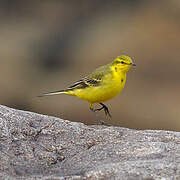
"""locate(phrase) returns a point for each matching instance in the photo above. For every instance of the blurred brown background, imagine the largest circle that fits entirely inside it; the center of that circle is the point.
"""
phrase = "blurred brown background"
(47, 45)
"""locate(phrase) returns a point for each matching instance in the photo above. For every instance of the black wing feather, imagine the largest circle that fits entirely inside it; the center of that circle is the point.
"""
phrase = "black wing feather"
(84, 83)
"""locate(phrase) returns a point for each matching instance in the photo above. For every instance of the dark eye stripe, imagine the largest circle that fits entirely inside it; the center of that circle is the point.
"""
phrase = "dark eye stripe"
(121, 62)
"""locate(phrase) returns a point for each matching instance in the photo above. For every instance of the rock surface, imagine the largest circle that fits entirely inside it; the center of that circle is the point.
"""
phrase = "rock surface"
(34, 146)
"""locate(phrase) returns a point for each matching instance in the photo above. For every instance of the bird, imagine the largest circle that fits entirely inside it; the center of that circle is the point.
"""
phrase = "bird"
(103, 84)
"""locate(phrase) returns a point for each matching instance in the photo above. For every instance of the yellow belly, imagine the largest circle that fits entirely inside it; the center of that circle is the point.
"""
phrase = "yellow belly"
(95, 94)
(104, 92)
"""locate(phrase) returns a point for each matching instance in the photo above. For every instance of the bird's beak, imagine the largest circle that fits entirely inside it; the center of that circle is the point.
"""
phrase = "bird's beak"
(133, 64)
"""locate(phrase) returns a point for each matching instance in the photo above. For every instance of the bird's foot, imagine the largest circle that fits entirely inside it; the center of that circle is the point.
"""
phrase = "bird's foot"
(98, 117)
(106, 110)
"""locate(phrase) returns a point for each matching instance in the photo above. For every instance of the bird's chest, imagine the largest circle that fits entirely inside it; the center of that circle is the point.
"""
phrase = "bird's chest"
(114, 85)
(117, 82)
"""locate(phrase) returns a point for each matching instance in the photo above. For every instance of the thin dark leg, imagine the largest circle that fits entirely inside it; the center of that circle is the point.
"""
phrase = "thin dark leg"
(106, 110)
(99, 118)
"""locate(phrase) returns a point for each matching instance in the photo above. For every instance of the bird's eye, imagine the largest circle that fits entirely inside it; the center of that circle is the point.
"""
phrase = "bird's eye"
(122, 62)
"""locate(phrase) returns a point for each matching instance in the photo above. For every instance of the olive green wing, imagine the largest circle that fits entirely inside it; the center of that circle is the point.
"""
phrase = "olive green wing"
(94, 79)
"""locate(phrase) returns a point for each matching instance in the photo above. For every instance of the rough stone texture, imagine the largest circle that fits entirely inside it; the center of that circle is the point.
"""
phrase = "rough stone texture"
(34, 146)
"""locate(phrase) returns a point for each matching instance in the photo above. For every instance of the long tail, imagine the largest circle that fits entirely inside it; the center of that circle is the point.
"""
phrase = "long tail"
(52, 93)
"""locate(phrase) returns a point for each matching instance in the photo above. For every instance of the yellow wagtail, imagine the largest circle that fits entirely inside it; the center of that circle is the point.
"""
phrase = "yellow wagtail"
(101, 85)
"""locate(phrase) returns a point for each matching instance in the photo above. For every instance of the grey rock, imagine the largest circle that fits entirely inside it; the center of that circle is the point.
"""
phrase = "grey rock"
(34, 146)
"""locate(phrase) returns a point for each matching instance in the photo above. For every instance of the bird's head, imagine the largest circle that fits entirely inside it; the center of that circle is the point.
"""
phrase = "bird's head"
(123, 63)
